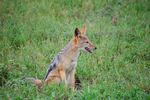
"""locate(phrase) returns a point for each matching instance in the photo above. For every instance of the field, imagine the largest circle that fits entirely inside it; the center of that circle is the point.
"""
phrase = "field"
(32, 32)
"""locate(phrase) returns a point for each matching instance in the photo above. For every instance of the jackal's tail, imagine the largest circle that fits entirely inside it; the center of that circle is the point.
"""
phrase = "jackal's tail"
(36, 81)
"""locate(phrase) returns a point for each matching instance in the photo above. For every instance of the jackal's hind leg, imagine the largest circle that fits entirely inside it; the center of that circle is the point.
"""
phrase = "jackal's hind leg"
(52, 79)
(56, 77)
(63, 75)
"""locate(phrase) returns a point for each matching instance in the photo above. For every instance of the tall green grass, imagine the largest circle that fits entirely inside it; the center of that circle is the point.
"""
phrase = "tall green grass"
(32, 32)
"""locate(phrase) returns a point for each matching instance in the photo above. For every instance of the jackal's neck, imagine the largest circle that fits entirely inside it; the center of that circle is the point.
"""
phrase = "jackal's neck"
(71, 51)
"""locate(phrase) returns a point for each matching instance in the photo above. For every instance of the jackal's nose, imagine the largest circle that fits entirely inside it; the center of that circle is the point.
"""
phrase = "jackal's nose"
(95, 48)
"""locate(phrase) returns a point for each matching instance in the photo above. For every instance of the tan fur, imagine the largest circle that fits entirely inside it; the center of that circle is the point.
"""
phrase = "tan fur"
(67, 61)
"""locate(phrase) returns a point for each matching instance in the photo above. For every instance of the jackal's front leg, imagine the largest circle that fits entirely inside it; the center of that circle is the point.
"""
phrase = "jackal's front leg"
(71, 79)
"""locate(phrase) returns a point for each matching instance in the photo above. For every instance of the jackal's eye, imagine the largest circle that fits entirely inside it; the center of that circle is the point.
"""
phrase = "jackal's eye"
(87, 42)
(80, 37)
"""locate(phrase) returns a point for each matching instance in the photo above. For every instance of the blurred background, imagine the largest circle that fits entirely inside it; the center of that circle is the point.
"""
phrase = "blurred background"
(32, 32)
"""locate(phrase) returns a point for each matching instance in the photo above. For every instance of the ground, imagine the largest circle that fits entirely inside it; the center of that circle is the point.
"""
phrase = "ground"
(32, 32)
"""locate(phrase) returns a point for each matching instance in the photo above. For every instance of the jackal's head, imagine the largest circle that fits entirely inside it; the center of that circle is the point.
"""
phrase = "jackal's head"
(82, 41)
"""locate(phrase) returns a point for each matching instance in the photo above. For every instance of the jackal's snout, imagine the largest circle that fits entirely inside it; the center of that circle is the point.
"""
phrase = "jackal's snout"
(90, 48)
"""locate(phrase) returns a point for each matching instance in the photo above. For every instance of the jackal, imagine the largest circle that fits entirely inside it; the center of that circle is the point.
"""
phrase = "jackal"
(63, 66)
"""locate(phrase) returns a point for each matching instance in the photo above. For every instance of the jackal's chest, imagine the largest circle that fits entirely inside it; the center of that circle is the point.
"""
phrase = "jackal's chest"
(71, 65)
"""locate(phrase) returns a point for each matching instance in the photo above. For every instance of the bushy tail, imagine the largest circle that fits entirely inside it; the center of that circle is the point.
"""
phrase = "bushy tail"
(37, 82)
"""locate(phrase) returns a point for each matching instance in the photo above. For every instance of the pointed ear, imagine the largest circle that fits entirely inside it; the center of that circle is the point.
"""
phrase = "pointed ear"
(83, 30)
(77, 32)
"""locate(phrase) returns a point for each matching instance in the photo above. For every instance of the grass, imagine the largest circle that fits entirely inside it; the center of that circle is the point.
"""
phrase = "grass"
(32, 32)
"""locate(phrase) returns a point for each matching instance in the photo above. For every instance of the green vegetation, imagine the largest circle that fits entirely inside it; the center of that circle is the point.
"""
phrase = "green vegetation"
(32, 32)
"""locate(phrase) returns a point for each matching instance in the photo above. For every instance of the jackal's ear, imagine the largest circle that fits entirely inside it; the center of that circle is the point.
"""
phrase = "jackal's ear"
(77, 32)
(83, 30)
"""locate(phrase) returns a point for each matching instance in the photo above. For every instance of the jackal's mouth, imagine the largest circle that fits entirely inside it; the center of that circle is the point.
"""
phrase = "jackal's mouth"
(88, 49)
